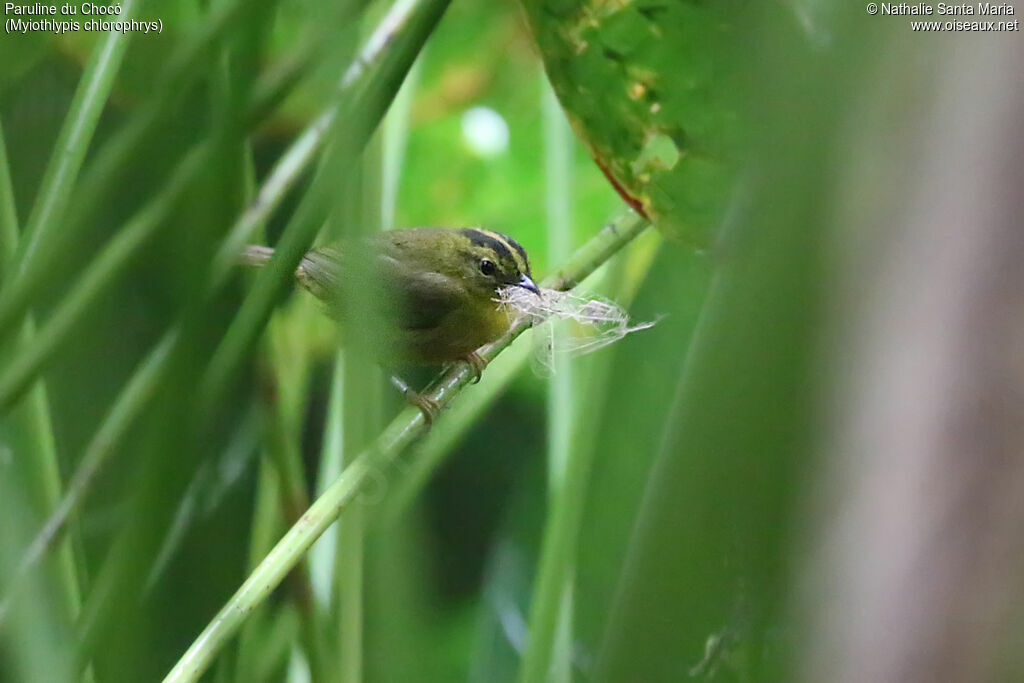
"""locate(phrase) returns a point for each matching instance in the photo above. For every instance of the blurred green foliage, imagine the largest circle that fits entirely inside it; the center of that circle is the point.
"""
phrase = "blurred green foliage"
(692, 435)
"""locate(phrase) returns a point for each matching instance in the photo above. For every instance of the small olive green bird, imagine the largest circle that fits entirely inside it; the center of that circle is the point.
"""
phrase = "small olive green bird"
(429, 294)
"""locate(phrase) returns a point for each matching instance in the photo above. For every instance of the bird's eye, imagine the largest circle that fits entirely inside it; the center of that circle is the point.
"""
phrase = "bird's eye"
(487, 267)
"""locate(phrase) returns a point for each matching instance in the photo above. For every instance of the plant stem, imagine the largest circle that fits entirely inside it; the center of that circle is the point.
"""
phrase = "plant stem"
(39, 461)
(350, 558)
(322, 557)
(362, 418)
(8, 213)
(557, 159)
(549, 647)
(405, 428)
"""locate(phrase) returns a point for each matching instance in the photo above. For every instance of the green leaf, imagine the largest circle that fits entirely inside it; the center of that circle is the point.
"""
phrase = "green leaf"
(649, 86)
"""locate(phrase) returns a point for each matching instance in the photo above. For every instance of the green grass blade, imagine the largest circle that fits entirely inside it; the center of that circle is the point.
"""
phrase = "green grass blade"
(34, 415)
(362, 411)
(549, 647)
(557, 161)
(322, 555)
(8, 212)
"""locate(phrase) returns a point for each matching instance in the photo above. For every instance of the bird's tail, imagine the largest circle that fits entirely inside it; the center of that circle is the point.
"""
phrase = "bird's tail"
(317, 272)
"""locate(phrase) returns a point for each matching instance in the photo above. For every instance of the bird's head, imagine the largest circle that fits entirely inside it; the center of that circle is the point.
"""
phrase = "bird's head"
(492, 261)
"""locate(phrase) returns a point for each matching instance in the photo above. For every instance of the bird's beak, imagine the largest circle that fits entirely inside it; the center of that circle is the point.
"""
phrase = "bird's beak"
(526, 283)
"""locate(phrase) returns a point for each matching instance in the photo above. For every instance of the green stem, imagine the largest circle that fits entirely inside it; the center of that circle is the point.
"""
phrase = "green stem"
(33, 416)
(350, 560)
(8, 212)
(557, 151)
(361, 414)
(323, 556)
(555, 576)
(403, 430)
(549, 647)
(551, 622)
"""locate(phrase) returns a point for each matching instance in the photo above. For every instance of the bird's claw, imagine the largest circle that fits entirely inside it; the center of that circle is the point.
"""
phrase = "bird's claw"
(428, 406)
(477, 364)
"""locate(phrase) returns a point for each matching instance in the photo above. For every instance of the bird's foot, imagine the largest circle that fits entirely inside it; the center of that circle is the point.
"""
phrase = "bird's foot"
(477, 364)
(428, 406)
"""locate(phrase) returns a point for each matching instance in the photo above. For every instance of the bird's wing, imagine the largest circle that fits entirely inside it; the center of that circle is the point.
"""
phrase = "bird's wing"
(421, 299)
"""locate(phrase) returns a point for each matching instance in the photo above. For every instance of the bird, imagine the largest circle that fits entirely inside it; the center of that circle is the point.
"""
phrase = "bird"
(416, 296)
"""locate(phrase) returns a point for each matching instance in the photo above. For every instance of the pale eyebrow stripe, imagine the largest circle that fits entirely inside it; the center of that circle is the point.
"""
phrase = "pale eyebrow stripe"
(524, 267)
(486, 238)
(522, 263)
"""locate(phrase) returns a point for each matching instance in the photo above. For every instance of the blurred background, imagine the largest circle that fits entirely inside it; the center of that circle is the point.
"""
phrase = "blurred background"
(809, 468)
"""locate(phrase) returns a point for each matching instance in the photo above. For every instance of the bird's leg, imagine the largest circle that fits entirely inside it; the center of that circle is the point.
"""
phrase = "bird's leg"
(477, 364)
(427, 406)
